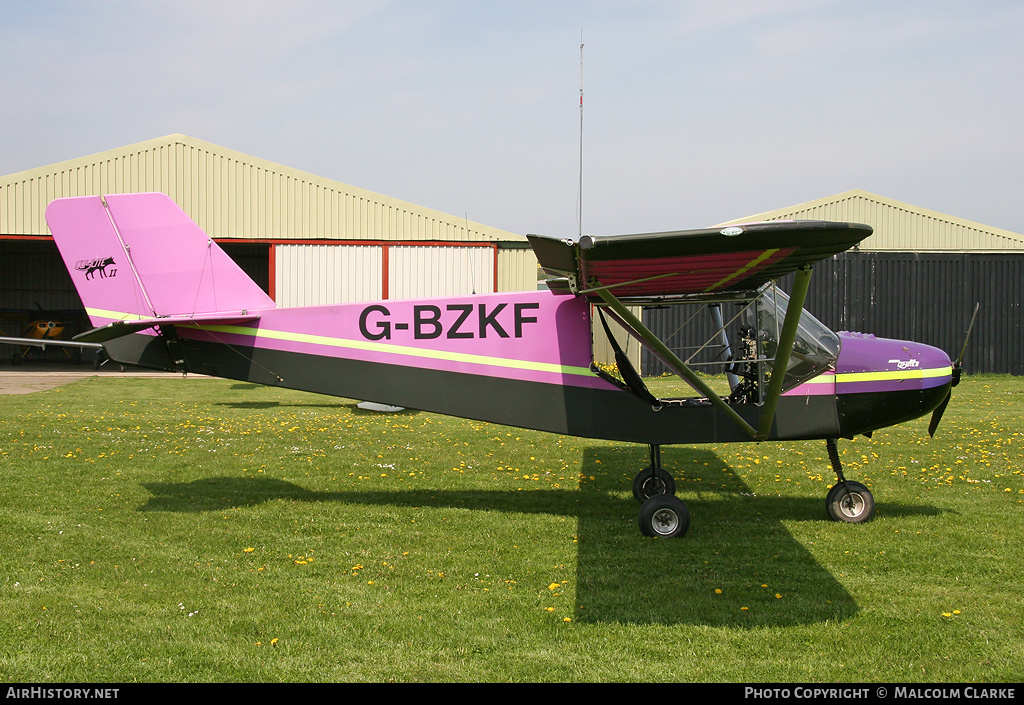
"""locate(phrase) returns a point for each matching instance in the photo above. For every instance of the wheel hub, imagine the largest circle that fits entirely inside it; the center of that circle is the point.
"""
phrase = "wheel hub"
(852, 505)
(665, 521)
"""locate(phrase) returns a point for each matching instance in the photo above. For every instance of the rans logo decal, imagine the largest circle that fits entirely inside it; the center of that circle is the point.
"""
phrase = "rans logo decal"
(100, 265)
(905, 364)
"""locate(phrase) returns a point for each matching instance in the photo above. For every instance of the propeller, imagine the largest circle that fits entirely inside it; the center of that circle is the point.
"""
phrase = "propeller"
(937, 414)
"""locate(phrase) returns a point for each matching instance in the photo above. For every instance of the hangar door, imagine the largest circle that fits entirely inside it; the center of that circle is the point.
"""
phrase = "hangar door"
(314, 274)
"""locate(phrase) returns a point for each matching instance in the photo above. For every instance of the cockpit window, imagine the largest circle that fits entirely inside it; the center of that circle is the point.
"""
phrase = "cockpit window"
(815, 348)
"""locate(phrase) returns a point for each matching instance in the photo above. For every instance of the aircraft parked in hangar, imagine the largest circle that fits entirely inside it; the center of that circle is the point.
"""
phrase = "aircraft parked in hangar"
(47, 332)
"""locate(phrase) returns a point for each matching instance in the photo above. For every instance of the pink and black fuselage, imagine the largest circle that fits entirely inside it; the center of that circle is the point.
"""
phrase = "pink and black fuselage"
(167, 297)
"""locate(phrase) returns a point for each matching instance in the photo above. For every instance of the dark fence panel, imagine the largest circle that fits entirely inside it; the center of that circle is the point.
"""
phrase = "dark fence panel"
(909, 296)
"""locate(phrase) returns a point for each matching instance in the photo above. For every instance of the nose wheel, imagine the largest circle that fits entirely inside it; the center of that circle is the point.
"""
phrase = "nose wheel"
(850, 502)
(847, 501)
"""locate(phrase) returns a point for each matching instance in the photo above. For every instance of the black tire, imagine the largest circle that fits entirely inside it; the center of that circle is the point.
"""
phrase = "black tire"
(645, 485)
(664, 515)
(850, 502)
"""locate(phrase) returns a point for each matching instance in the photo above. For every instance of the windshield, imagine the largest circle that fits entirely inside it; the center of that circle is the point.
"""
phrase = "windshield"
(815, 348)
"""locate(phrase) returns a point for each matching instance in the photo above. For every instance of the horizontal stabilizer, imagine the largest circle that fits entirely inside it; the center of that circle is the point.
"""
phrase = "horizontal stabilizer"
(117, 329)
(47, 342)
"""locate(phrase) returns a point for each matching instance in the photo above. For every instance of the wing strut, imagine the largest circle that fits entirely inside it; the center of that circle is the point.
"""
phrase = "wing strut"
(680, 367)
(787, 336)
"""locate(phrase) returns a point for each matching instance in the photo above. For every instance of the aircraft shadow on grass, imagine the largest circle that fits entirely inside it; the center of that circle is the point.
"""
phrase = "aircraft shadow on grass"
(739, 545)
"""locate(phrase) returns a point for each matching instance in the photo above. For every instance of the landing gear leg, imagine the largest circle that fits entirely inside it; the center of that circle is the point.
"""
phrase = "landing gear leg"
(847, 501)
(661, 512)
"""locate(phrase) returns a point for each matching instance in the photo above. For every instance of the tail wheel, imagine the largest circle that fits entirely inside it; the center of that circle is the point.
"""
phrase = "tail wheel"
(664, 515)
(850, 502)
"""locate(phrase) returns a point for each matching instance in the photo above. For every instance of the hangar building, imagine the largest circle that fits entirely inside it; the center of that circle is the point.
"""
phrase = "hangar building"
(305, 239)
(917, 277)
(308, 240)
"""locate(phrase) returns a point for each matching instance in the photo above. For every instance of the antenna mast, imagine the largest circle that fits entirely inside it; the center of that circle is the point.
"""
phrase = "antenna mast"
(579, 196)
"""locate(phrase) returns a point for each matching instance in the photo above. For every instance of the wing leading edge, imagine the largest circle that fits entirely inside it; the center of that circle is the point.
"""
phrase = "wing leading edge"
(688, 262)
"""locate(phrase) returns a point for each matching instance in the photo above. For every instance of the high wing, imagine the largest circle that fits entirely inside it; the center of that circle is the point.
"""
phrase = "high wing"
(714, 263)
(738, 258)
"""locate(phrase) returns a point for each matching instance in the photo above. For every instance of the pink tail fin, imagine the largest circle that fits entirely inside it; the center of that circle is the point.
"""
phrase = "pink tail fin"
(139, 255)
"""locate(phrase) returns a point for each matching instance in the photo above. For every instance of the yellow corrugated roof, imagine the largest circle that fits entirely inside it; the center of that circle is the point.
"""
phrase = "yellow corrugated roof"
(231, 194)
(899, 226)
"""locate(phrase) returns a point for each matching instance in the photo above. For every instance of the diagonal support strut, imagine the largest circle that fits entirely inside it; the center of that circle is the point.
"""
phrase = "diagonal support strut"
(680, 367)
(786, 338)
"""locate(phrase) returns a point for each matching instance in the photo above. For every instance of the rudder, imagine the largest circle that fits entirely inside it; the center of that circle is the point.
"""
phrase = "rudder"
(139, 256)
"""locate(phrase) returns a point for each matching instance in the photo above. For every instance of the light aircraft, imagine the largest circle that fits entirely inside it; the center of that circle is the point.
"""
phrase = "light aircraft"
(162, 294)
(46, 332)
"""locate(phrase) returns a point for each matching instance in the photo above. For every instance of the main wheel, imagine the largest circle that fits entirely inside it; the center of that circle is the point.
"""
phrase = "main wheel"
(647, 485)
(850, 502)
(664, 515)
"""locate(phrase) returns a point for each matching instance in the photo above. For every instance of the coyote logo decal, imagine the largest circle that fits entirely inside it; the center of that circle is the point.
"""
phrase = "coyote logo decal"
(92, 266)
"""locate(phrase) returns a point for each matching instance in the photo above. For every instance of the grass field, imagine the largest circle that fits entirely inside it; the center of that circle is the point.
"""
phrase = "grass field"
(202, 530)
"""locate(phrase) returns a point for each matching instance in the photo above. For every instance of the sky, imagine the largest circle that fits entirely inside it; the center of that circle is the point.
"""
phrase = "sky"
(695, 112)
